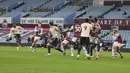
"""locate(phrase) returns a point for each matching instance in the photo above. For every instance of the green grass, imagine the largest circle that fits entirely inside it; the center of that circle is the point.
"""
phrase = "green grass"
(24, 61)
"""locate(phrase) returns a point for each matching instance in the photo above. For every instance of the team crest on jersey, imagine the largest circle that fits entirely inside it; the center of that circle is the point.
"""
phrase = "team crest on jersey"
(77, 29)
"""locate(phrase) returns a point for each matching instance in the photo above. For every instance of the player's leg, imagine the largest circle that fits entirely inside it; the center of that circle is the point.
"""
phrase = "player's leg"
(118, 50)
(114, 49)
(90, 51)
(83, 42)
(49, 46)
(63, 44)
(96, 51)
(18, 40)
(55, 43)
(96, 48)
(86, 47)
(73, 43)
(85, 52)
(57, 47)
(34, 43)
(72, 49)
(79, 48)
(49, 49)
(100, 48)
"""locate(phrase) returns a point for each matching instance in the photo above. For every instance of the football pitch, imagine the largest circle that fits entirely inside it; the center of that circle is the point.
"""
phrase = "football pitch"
(25, 61)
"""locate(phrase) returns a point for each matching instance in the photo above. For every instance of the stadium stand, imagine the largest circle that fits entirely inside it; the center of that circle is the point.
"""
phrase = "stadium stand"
(27, 7)
(38, 14)
(62, 13)
(51, 4)
(2, 1)
(95, 11)
(13, 14)
(120, 12)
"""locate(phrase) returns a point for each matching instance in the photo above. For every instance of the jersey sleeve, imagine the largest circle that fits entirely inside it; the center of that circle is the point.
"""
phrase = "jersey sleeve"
(11, 31)
(21, 28)
(91, 27)
(81, 27)
(72, 27)
(35, 29)
(57, 29)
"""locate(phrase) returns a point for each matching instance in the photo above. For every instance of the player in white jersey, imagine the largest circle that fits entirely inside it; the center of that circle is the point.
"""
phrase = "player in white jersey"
(86, 28)
(38, 32)
(54, 31)
(15, 31)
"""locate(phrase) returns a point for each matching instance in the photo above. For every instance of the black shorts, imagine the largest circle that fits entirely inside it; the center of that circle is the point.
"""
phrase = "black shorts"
(54, 42)
(17, 36)
(84, 41)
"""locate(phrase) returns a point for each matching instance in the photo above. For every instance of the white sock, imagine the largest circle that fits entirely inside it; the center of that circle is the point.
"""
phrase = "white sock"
(100, 49)
(85, 51)
(113, 52)
(96, 50)
(72, 51)
(62, 48)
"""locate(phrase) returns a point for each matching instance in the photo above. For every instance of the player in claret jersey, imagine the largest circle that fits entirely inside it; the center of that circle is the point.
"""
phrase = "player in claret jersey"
(66, 39)
(117, 42)
(37, 35)
(75, 29)
(95, 37)
(72, 36)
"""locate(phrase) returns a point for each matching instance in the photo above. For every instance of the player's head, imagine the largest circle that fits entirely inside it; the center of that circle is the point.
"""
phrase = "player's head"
(115, 30)
(87, 20)
(92, 21)
(51, 24)
(5, 21)
(14, 25)
(75, 21)
(39, 24)
(95, 19)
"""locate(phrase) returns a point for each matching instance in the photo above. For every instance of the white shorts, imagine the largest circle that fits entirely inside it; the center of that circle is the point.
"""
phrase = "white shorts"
(117, 44)
(36, 38)
(94, 40)
(74, 39)
(65, 42)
